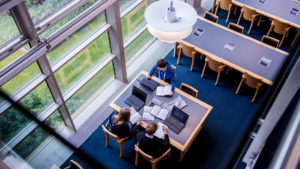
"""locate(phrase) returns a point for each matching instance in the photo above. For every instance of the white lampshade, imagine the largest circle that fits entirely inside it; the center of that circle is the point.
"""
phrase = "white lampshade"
(166, 31)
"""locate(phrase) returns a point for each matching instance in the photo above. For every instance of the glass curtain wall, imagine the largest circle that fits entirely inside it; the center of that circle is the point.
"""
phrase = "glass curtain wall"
(30, 87)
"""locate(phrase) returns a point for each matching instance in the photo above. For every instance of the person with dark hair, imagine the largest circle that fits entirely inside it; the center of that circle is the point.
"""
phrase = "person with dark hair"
(151, 144)
(164, 71)
(120, 124)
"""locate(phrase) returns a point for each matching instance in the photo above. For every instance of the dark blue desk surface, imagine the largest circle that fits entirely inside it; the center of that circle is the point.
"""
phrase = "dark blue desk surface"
(246, 55)
(279, 9)
(196, 111)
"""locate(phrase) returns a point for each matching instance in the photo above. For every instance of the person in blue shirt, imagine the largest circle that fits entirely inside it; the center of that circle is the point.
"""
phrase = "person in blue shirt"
(164, 71)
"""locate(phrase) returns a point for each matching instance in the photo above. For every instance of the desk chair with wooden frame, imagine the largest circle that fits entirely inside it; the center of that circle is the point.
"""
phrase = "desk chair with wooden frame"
(187, 50)
(148, 157)
(270, 41)
(214, 66)
(249, 15)
(210, 16)
(189, 89)
(251, 82)
(174, 69)
(119, 140)
(225, 5)
(74, 165)
(279, 28)
(236, 27)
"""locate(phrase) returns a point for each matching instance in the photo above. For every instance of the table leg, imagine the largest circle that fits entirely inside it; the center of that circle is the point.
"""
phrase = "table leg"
(181, 156)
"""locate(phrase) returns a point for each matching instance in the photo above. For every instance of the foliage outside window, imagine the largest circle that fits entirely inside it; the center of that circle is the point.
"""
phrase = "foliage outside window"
(11, 29)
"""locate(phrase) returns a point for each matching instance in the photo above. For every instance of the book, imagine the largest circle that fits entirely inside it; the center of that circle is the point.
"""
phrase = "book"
(156, 101)
(160, 131)
(159, 112)
(163, 90)
(178, 102)
(134, 115)
(147, 116)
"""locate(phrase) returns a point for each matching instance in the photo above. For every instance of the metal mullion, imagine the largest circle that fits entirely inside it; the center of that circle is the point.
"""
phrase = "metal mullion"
(77, 49)
(59, 15)
(17, 96)
(116, 41)
(8, 4)
(89, 75)
(131, 8)
(71, 27)
(135, 35)
(10, 47)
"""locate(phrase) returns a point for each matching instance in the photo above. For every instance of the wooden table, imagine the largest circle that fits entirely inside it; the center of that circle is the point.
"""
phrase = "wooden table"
(248, 55)
(277, 9)
(197, 110)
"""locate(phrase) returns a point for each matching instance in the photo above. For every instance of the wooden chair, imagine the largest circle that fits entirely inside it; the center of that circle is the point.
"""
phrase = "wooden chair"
(149, 158)
(236, 27)
(270, 41)
(187, 50)
(225, 5)
(210, 16)
(119, 140)
(189, 89)
(279, 28)
(74, 165)
(174, 69)
(214, 66)
(249, 15)
(251, 82)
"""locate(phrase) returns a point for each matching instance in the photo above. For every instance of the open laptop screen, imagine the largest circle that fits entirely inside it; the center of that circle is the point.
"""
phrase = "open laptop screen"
(139, 93)
(179, 114)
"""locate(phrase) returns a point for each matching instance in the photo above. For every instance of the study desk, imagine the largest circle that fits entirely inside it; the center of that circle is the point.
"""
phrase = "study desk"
(196, 109)
(278, 9)
(249, 55)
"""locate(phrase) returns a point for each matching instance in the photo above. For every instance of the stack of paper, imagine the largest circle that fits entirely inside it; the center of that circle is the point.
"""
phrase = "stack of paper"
(134, 116)
(163, 90)
(160, 132)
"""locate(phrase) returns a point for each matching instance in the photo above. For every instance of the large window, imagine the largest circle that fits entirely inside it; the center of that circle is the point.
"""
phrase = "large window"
(8, 28)
(76, 68)
(76, 38)
(125, 3)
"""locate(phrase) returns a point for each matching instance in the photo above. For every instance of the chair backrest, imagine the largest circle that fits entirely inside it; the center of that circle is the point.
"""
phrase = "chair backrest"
(213, 64)
(144, 155)
(189, 89)
(112, 135)
(279, 27)
(250, 80)
(211, 17)
(224, 4)
(74, 165)
(236, 27)
(270, 41)
(174, 69)
(248, 13)
(187, 49)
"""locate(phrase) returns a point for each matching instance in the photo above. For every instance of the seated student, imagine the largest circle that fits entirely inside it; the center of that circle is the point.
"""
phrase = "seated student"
(163, 71)
(151, 144)
(120, 124)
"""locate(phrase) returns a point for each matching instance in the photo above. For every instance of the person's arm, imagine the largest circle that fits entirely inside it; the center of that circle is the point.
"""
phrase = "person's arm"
(165, 141)
(151, 72)
(172, 77)
(135, 128)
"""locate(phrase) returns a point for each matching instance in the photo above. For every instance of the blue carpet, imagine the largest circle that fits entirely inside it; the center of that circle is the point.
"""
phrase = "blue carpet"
(223, 130)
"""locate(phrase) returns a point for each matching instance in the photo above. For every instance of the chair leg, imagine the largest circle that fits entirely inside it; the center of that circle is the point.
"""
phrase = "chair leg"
(217, 8)
(203, 70)
(238, 89)
(175, 49)
(201, 56)
(169, 155)
(270, 30)
(213, 7)
(281, 40)
(238, 22)
(121, 149)
(153, 165)
(193, 61)
(251, 25)
(136, 158)
(228, 14)
(106, 140)
(255, 94)
(259, 21)
(179, 55)
(218, 77)
(235, 9)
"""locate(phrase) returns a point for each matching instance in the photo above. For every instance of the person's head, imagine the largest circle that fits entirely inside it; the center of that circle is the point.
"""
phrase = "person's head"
(151, 128)
(161, 65)
(123, 116)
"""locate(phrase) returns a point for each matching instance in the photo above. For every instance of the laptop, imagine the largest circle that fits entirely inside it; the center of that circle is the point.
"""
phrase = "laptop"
(176, 120)
(150, 84)
(137, 99)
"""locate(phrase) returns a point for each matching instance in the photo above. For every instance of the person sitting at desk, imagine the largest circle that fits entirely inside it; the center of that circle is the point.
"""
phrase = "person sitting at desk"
(120, 124)
(163, 71)
(151, 144)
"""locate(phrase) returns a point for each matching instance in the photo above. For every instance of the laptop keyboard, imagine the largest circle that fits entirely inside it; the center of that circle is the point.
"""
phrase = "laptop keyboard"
(174, 124)
(135, 102)
(151, 84)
